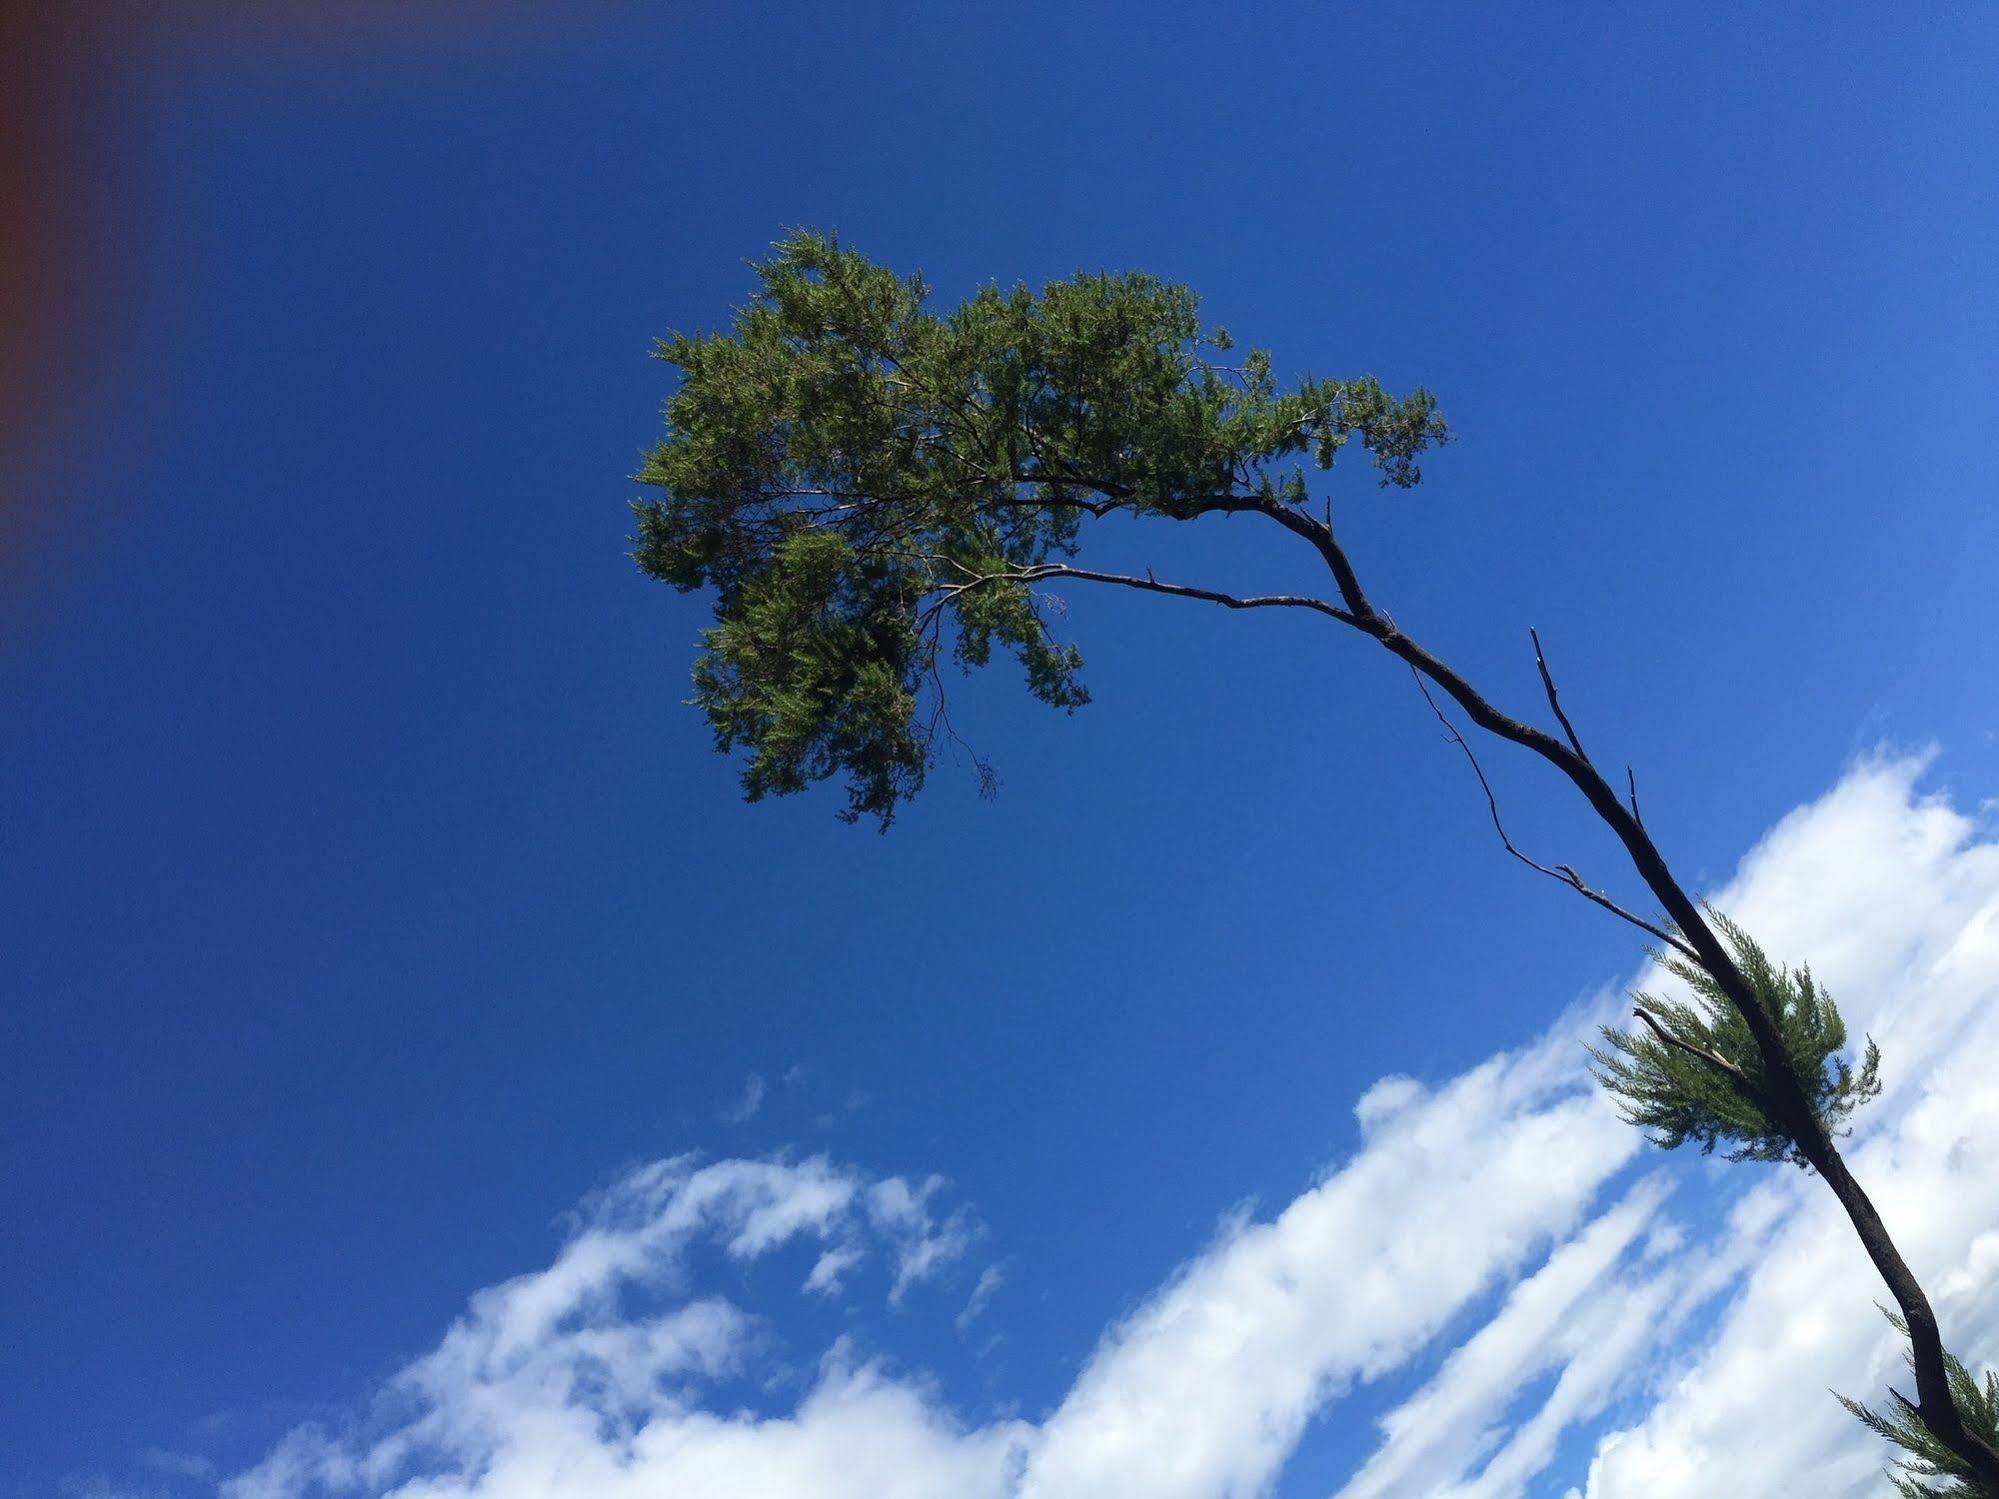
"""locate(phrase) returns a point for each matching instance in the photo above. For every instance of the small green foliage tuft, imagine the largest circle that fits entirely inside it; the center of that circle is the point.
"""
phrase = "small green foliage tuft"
(1679, 1095)
(859, 480)
(1931, 1470)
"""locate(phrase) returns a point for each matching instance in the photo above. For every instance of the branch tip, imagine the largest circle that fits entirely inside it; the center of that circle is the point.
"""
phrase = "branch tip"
(1554, 698)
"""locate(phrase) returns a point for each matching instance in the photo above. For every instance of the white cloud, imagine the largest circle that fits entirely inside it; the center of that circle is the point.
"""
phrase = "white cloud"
(830, 1269)
(550, 1384)
(990, 1280)
(745, 1108)
(553, 1386)
(547, 1387)
(1205, 1390)
(1388, 1097)
(1572, 1306)
(922, 1245)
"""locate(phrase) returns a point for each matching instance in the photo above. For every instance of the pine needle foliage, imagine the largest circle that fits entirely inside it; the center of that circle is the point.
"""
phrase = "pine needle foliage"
(1682, 1092)
(1931, 1470)
(861, 479)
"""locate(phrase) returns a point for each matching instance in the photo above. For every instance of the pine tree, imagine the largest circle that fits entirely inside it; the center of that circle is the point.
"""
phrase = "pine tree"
(872, 490)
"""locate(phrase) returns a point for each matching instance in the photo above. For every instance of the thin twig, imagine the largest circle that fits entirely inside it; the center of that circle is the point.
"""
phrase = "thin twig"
(1561, 873)
(1631, 781)
(1554, 700)
(1712, 1058)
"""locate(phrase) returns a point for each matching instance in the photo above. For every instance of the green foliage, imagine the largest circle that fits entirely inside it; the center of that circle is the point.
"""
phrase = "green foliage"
(1931, 1470)
(860, 480)
(1680, 1094)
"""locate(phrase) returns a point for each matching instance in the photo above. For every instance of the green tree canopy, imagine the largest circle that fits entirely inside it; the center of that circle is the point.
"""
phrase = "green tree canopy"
(872, 488)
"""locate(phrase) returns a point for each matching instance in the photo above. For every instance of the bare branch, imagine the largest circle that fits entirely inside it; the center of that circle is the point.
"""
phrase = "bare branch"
(1554, 700)
(1150, 584)
(1631, 781)
(1712, 1058)
(1562, 874)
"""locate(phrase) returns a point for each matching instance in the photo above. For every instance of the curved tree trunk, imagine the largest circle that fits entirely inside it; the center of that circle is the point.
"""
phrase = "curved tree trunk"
(1934, 1406)
(1789, 1102)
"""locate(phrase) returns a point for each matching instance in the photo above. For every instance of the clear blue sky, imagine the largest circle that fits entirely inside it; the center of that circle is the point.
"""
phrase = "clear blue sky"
(368, 895)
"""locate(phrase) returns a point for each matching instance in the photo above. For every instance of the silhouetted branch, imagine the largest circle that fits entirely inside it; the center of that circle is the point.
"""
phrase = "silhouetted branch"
(1562, 874)
(1150, 584)
(1554, 699)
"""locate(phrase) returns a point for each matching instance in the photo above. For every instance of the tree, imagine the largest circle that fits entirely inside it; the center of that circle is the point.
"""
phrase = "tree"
(873, 490)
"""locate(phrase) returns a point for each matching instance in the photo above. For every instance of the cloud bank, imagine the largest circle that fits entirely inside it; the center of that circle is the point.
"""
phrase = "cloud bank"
(1658, 1356)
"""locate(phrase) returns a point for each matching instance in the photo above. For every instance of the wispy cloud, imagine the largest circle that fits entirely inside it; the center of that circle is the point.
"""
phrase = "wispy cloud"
(1206, 1389)
(990, 1280)
(923, 1245)
(1513, 1178)
(745, 1108)
(1575, 1306)
(178, 1464)
(547, 1386)
(551, 1385)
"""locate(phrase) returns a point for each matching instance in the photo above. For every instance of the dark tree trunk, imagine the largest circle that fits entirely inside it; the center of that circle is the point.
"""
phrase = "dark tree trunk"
(1934, 1407)
(1785, 1094)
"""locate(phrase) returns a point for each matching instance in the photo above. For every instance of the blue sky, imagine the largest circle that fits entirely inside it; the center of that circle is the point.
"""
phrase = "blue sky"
(370, 897)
